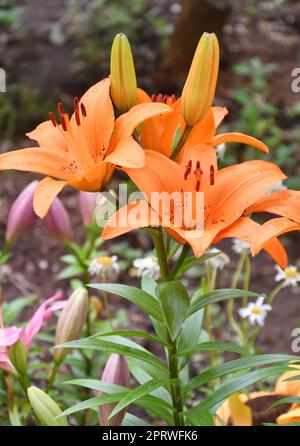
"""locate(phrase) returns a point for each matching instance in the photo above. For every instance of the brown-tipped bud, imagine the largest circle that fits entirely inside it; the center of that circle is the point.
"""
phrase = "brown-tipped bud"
(115, 372)
(199, 89)
(122, 74)
(71, 321)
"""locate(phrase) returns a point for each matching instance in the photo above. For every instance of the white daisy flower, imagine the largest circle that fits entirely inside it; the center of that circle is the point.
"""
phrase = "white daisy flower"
(256, 312)
(104, 265)
(239, 246)
(218, 261)
(220, 151)
(147, 266)
(290, 276)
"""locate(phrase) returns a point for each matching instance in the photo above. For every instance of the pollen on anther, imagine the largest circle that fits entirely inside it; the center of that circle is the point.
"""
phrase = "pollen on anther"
(63, 122)
(76, 111)
(188, 169)
(60, 108)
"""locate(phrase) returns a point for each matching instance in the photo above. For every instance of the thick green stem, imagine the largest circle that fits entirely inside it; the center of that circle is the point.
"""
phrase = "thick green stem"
(52, 376)
(161, 253)
(175, 388)
(181, 142)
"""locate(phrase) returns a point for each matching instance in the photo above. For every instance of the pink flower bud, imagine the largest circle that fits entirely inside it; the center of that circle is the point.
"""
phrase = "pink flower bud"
(71, 321)
(115, 372)
(57, 221)
(87, 204)
(21, 215)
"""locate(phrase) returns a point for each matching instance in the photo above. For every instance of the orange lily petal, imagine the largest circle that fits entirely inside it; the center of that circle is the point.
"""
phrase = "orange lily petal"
(237, 187)
(152, 128)
(239, 138)
(292, 416)
(281, 202)
(197, 239)
(270, 229)
(45, 193)
(126, 123)
(219, 114)
(38, 160)
(93, 179)
(128, 153)
(48, 136)
(130, 217)
(245, 229)
(99, 122)
(171, 123)
(204, 131)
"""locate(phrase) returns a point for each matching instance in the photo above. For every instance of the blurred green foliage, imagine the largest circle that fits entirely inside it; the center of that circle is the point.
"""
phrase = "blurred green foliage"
(257, 116)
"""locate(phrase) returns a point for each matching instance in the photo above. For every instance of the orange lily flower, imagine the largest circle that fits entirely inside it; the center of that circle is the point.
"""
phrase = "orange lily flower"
(158, 132)
(83, 151)
(227, 193)
(285, 203)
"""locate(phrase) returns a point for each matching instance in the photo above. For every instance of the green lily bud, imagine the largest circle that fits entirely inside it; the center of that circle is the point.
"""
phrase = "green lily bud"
(18, 356)
(122, 74)
(45, 408)
(199, 89)
(71, 321)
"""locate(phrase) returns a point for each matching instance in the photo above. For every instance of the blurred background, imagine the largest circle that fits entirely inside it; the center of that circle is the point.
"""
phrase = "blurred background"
(54, 50)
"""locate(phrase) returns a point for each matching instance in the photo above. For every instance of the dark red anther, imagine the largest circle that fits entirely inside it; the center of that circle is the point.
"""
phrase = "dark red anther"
(53, 119)
(198, 186)
(76, 111)
(198, 171)
(60, 108)
(212, 175)
(83, 110)
(188, 170)
(63, 121)
(153, 98)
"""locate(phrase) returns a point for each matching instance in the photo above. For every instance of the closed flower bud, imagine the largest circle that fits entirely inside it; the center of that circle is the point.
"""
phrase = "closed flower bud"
(18, 356)
(115, 372)
(199, 89)
(57, 221)
(87, 205)
(21, 215)
(122, 73)
(45, 408)
(71, 321)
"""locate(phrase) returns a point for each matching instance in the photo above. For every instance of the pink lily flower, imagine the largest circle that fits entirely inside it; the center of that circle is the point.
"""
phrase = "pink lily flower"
(10, 335)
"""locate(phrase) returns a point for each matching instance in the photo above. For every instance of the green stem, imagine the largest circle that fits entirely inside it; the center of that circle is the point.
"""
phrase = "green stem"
(230, 304)
(181, 142)
(183, 255)
(245, 299)
(159, 245)
(175, 388)
(208, 314)
(275, 292)
(52, 376)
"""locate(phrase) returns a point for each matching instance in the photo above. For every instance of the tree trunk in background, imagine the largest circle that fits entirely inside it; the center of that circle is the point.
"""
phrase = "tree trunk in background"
(196, 17)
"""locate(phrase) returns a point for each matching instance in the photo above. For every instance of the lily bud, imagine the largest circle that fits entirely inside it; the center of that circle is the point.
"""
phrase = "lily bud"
(122, 73)
(115, 372)
(199, 89)
(71, 321)
(45, 408)
(18, 356)
(57, 221)
(87, 205)
(21, 215)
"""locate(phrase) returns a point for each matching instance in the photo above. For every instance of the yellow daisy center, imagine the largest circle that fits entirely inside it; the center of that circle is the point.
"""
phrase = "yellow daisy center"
(256, 310)
(291, 273)
(105, 261)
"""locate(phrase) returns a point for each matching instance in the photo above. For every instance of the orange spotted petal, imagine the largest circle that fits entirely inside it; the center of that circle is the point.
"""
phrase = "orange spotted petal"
(38, 160)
